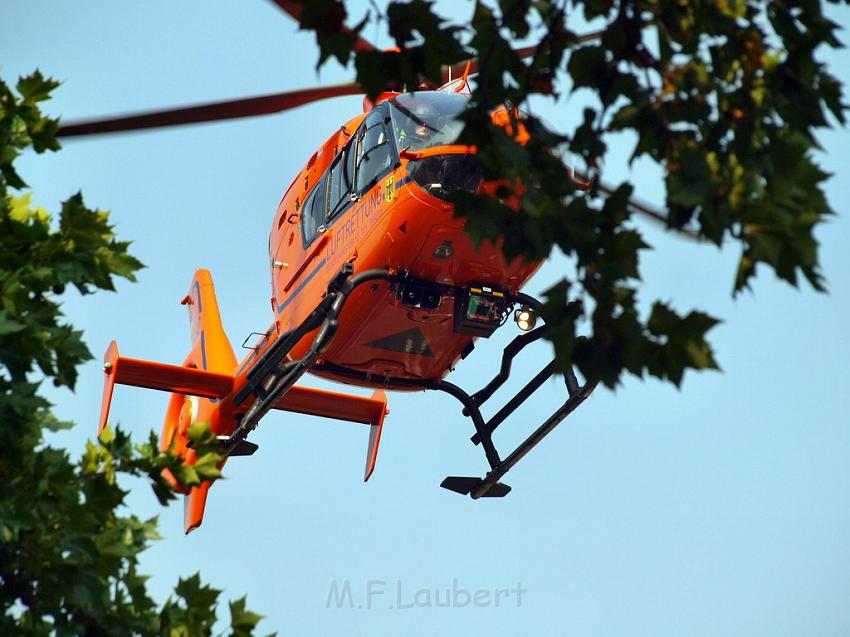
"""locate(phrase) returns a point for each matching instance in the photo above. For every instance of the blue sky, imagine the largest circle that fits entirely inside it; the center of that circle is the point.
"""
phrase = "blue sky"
(722, 508)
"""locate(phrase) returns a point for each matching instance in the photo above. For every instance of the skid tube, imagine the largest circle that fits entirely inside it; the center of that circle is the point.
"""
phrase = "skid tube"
(489, 486)
(271, 376)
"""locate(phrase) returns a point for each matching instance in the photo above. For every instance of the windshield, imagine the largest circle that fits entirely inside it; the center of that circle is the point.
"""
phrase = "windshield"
(426, 119)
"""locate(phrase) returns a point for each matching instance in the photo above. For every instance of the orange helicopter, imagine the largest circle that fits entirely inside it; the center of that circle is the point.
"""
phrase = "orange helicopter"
(374, 283)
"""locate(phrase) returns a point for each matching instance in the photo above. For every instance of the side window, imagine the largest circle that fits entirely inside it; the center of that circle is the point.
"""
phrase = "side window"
(375, 152)
(341, 178)
(313, 211)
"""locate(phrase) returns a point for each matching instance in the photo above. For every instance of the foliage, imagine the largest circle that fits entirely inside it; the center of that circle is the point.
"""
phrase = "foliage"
(68, 557)
(724, 96)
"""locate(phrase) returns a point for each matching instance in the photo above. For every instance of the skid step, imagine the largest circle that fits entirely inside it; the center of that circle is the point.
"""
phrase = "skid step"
(466, 485)
(241, 448)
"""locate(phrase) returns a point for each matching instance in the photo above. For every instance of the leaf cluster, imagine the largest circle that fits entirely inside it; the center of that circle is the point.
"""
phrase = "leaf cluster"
(68, 551)
(725, 96)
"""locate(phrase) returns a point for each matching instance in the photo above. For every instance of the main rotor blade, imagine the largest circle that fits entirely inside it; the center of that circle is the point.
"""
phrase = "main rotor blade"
(648, 211)
(457, 70)
(214, 111)
(295, 9)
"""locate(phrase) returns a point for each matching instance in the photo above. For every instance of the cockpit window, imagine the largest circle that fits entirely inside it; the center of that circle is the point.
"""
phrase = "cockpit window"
(425, 119)
(375, 152)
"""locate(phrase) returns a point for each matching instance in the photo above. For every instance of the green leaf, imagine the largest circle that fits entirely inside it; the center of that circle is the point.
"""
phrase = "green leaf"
(242, 621)
(690, 183)
(35, 87)
(9, 326)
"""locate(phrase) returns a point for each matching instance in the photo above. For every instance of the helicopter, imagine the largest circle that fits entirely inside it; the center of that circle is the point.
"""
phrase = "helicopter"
(374, 284)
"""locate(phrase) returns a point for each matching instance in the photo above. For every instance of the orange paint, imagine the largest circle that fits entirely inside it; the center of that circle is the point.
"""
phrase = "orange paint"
(372, 195)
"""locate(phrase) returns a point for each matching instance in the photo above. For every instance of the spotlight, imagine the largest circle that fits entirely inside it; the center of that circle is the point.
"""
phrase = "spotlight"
(525, 319)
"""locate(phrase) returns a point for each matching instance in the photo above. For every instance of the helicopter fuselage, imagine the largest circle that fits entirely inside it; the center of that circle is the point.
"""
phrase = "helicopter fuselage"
(387, 215)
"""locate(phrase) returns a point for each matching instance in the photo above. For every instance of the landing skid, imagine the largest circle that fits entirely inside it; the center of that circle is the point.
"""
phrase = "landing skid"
(489, 486)
(466, 485)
